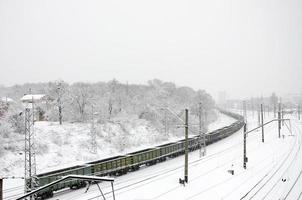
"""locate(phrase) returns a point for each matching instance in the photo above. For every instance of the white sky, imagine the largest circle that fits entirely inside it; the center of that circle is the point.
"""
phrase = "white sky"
(243, 47)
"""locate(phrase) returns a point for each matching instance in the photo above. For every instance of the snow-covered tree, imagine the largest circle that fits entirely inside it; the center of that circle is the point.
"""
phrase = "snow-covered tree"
(80, 96)
(57, 90)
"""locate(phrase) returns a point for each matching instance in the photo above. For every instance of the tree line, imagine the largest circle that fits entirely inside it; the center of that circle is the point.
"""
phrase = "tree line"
(104, 101)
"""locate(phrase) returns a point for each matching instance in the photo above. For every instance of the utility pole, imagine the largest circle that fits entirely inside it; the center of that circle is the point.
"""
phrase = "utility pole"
(186, 145)
(200, 131)
(279, 121)
(1, 188)
(31, 180)
(244, 146)
(262, 127)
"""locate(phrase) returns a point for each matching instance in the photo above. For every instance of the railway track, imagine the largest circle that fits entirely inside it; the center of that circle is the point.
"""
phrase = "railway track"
(300, 174)
(214, 136)
(168, 171)
(264, 182)
(268, 177)
(163, 174)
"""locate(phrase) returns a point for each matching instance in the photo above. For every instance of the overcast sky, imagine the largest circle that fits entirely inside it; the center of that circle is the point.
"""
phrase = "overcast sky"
(242, 47)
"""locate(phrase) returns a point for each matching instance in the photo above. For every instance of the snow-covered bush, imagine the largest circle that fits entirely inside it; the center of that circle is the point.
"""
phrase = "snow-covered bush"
(17, 122)
(5, 128)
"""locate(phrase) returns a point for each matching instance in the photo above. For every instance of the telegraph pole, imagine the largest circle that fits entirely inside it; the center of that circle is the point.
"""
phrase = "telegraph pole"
(279, 121)
(186, 145)
(262, 127)
(1, 188)
(244, 146)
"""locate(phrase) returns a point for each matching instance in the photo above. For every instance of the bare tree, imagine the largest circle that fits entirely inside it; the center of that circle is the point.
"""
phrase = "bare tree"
(81, 95)
(58, 90)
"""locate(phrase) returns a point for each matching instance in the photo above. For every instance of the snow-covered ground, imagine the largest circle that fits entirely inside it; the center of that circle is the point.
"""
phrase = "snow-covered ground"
(272, 171)
(62, 146)
(222, 120)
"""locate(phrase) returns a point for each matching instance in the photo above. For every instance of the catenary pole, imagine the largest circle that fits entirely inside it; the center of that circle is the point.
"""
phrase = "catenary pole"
(186, 145)
(244, 146)
(1, 188)
(279, 121)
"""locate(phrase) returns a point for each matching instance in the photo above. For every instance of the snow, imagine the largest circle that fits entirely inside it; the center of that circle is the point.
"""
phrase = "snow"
(30, 97)
(221, 121)
(68, 145)
(269, 163)
(6, 99)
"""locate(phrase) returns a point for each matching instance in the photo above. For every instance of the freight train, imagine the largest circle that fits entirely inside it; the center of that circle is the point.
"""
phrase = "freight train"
(122, 164)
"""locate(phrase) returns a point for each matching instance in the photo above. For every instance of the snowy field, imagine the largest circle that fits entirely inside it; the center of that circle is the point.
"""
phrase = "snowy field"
(66, 147)
(271, 173)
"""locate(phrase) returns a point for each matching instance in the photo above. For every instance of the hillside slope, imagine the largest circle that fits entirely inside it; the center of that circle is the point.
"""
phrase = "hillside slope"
(69, 144)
